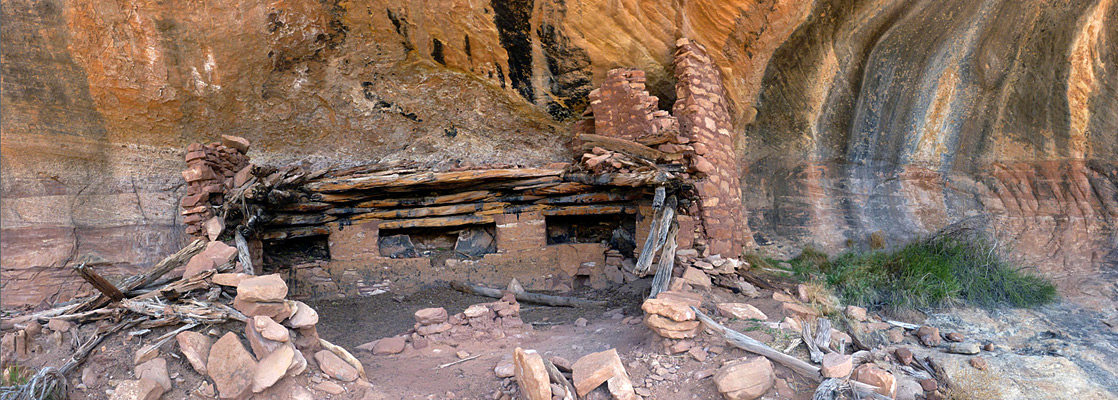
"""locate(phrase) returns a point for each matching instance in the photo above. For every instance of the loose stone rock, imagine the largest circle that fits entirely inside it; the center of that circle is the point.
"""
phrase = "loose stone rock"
(429, 316)
(593, 369)
(329, 387)
(855, 313)
(272, 367)
(928, 335)
(904, 355)
(671, 308)
(391, 345)
(334, 367)
(231, 367)
(740, 311)
(156, 370)
(142, 389)
(873, 375)
(929, 385)
(963, 348)
(955, 337)
(304, 316)
(266, 288)
(836, 365)
(531, 374)
(745, 379)
(196, 348)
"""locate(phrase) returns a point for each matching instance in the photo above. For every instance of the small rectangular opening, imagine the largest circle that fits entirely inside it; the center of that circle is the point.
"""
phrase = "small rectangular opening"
(617, 230)
(471, 241)
(295, 251)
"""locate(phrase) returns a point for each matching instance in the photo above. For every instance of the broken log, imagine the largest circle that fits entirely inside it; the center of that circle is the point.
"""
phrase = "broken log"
(751, 345)
(593, 197)
(463, 197)
(433, 179)
(243, 255)
(595, 209)
(667, 263)
(143, 279)
(558, 378)
(292, 233)
(631, 179)
(562, 188)
(621, 145)
(101, 284)
(555, 301)
(447, 210)
(457, 220)
(658, 234)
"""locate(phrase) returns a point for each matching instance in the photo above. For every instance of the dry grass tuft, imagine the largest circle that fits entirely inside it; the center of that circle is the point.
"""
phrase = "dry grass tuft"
(973, 384)
(877, 240)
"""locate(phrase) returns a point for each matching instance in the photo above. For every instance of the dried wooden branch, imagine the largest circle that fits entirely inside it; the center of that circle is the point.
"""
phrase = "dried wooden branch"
(557, 377)
(243, 254)
(556, 301)
(749, 344)
(101, 284)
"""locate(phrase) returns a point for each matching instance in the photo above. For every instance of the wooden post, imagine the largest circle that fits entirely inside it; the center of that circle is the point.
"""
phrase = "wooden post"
(101, 284)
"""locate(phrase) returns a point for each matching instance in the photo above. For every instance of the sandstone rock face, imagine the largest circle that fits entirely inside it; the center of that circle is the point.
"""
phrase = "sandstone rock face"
(1007, 113)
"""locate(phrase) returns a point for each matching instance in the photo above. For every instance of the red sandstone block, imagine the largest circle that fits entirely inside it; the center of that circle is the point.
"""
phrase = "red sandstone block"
(197, 172)
(520, 231)
(194, 200)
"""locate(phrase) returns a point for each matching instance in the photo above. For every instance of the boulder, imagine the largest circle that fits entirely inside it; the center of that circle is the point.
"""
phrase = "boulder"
(334, 367)
(276, 310)
(696, 277)
(928, 335)
(691, 299)
(261, 346)
(855, 313)
(665, 327)
(214, 255)
(430, 316)
(904, 355)
(873, 375)
(955, 337)
(266, 288)
(156, 370)
(593, 369)
(304, 316)
(141, 389)
(531, 375)
(390, 345)
(329, 387)
(272, 367)
(235, 142)
(671, 308)
(964, 348)
(836, 365)
(298, 363)
(231, 367)
(798, 311)
(230, 279)
(745, 379)
(740, 311)
(196, 348)
(269, 329)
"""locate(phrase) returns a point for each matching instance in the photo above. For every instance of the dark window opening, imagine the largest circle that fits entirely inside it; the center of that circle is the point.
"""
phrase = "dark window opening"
(618, 231)
(440, 244)
(280, 254)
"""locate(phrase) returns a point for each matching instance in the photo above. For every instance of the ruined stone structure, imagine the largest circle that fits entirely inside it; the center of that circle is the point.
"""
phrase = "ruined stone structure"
(840, 126)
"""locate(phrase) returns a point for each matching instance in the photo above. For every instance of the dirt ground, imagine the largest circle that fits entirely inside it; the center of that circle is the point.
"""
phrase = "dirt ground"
(415, 374)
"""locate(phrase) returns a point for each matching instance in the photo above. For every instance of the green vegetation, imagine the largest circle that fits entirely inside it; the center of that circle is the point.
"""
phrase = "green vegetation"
(935, 272)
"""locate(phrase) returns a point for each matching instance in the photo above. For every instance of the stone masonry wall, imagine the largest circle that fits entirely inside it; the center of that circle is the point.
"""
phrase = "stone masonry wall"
(623, 108)
(703, 117)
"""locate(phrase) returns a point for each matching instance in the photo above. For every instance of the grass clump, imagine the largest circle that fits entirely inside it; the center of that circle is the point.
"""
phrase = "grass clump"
(930, 273)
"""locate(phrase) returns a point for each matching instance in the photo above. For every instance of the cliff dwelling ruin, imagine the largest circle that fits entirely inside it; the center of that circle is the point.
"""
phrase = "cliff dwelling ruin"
(554, 199)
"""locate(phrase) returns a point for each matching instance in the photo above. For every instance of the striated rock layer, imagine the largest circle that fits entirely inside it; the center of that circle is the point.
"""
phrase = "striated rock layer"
(847, 117)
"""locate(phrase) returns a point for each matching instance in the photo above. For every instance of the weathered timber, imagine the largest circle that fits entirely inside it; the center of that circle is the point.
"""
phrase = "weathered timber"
(667, 263)
(457, 220)
(143, 279)
(657, 236)
(590, 198)
(632, 179)
(592, 209)
(295, 232)
(311, 206)
(427, 178)
(557, 377)
(243, 254)
(101, 284)
(751, 345)
(300, 219)
(462, 197)
(562, 188)
(453, 209)
(621, 145)
(557, 301)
